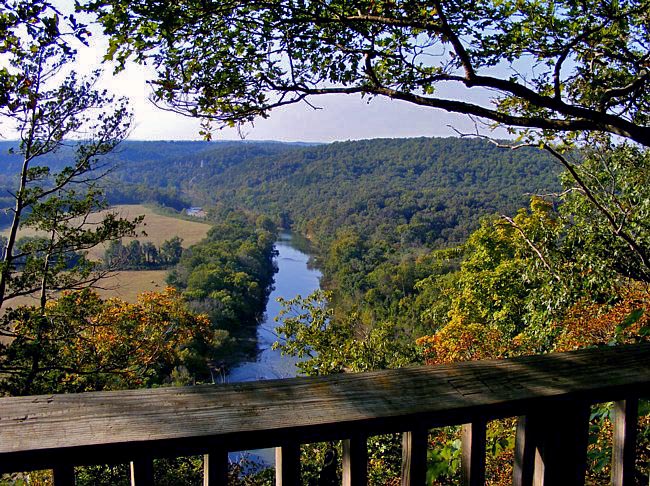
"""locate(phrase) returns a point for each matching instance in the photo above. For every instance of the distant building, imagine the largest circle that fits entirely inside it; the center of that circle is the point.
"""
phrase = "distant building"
(197, 212)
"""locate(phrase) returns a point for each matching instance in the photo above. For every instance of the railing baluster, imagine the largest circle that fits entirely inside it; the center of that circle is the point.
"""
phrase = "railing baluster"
(287, 465)
(215, 468)
(561, 436)
(142, 472)
(624, 448)
(355, 461)
(63, 475)
(524, 463)
(473, 454)
(414, 457)
(553, 392)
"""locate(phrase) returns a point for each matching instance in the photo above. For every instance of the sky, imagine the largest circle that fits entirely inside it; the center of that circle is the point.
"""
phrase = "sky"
(339, 117)
(342, 117)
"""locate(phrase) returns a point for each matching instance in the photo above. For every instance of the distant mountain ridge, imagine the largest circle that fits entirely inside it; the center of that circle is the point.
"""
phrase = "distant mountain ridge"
(422, 191)
(418, 191)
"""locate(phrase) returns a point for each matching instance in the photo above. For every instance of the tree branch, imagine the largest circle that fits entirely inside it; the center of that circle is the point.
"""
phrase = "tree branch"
(459, 49)
(537, 251)
(617, 228)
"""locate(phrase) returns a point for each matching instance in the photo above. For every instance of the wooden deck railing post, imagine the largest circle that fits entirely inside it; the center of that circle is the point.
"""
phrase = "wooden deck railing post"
(355, 461)
(524, 462)
(142, 472)
(473, 454)
(287, 465)
(63, 475)
(414, 457)
(215, 468)
(553, 391)
(624, 447)
(561, 437)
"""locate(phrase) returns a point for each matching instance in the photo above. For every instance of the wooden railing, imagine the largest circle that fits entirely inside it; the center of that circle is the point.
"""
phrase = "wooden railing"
(550, 394)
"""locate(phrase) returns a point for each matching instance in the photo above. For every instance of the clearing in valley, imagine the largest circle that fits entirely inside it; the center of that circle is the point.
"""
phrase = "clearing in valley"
(158, 228)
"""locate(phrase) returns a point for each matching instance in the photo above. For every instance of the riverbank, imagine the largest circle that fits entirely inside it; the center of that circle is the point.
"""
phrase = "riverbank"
(294, 277)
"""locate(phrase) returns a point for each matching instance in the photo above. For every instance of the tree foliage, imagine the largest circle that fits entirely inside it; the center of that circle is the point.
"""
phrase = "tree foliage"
(532, 277)
(83, 343)
(326, 345)
(50, 106)
(136, 255)
(555, 66)
(228, 276)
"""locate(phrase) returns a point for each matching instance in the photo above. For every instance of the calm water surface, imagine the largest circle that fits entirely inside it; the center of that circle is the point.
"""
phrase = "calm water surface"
(294, 277)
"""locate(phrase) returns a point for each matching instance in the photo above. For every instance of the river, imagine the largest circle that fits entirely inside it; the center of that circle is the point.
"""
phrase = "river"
(294, 277)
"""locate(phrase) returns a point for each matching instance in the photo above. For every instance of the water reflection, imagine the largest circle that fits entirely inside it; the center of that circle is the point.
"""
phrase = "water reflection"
(294, 277)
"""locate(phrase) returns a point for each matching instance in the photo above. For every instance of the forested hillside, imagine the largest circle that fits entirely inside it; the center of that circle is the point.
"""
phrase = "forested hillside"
(147, 172)
(413, 191)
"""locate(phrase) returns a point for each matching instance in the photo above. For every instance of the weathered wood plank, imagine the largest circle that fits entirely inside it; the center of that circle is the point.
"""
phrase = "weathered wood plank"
(63, 475)
(287, 465)
(142, 472)
(414, 457)
(473, 454)
(561, 437)
(524, 461)
(118, 426)
(626, 414)
(215, 468)
(355, 461)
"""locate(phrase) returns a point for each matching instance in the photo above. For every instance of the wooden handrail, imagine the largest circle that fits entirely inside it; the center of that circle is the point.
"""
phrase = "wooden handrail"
(553, 393)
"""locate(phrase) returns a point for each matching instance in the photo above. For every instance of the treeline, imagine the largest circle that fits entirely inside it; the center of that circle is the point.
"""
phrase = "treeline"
(228, 276)
(138, 255)
(115, 193)
(118, 192)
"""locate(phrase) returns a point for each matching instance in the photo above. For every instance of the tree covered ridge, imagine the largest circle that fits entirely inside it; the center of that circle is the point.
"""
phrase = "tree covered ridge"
(423, 190)
(414, 191)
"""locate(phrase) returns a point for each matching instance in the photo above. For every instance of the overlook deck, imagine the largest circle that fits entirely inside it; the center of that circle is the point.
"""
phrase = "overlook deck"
(551, 395)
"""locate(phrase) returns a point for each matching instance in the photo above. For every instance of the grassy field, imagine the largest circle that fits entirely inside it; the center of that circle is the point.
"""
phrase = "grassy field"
(158, 228)
(125, 285)
(128, 284)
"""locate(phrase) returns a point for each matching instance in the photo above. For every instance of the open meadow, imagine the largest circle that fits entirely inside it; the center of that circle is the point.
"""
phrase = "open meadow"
(158, 228)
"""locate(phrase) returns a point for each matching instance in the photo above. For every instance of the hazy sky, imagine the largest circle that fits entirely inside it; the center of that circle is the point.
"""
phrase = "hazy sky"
(342, 117)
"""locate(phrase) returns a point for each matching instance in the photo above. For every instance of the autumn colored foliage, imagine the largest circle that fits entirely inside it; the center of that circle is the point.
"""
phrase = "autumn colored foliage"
(82, 342)
(591, 324)
(460, 341)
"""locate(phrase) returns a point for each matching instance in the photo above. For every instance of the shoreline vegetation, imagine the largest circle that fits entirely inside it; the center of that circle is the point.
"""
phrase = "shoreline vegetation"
(399, 288)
